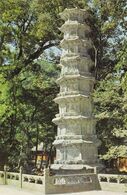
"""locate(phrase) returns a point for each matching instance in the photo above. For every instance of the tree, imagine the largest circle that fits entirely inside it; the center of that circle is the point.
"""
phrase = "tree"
(25, 35)
(109, 31)
(110, 103)
(31, 110)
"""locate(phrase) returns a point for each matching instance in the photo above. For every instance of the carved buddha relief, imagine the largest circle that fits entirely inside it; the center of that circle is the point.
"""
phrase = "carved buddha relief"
(72, 86)
(62, 108)
(60, 154)
(63, 87)
(61, 130)
(73, 153)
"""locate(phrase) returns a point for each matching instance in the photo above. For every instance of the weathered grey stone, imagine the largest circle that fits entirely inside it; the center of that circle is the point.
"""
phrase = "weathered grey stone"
(76, 141)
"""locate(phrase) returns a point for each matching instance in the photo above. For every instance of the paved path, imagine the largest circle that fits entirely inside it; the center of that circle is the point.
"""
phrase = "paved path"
(9, 190)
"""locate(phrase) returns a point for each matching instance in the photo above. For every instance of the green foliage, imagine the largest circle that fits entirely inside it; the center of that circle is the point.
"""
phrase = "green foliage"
(110, 105)
(109, 31)
(116, 151)
(4, 86)
(31, 110)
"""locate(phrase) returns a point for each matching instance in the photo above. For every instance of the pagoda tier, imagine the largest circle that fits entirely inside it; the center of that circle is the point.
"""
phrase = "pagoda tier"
(74, 14)
(75, 46)
(75, 84)
(74, 105)
(76, 141)
(76, 65)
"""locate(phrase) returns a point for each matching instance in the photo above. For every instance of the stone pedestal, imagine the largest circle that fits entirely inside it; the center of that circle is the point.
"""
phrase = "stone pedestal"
(76, 141)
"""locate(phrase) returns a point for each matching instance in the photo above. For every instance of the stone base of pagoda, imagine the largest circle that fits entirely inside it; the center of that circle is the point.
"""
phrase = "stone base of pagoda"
(70, 182)
(74, 178)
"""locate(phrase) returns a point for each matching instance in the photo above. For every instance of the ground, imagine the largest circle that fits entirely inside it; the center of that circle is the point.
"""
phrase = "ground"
(9, 190)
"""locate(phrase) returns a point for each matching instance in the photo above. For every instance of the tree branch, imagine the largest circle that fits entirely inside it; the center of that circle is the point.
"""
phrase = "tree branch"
(39, 51)
(33, 56)
(1, 42)
(28, 23)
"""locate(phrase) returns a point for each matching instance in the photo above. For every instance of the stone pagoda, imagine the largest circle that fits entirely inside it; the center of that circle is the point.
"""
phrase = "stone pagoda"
(76, 141)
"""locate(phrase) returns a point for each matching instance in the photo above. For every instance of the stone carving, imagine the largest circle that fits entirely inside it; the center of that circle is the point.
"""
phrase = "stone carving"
(72, 180)
(75, 85)
(76, 141)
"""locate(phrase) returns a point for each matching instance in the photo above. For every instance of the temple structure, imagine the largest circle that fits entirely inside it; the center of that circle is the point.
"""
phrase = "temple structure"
(76, 141)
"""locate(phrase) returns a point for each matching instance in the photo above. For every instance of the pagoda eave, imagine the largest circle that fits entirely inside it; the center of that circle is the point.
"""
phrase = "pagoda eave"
(76, 58)
(76, 41)
(71, 97)
(61, 119)
(78, 76)
(67, 13)
(71, 24)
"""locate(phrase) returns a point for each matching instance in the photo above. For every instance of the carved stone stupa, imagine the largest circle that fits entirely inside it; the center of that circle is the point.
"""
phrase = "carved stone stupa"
(76, 141)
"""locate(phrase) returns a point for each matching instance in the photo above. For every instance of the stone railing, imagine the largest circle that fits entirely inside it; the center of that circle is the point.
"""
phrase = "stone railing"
(50, 183)
(33, 182)
(65, 183)
(2, 177)
(112, 182)
(21, 180)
